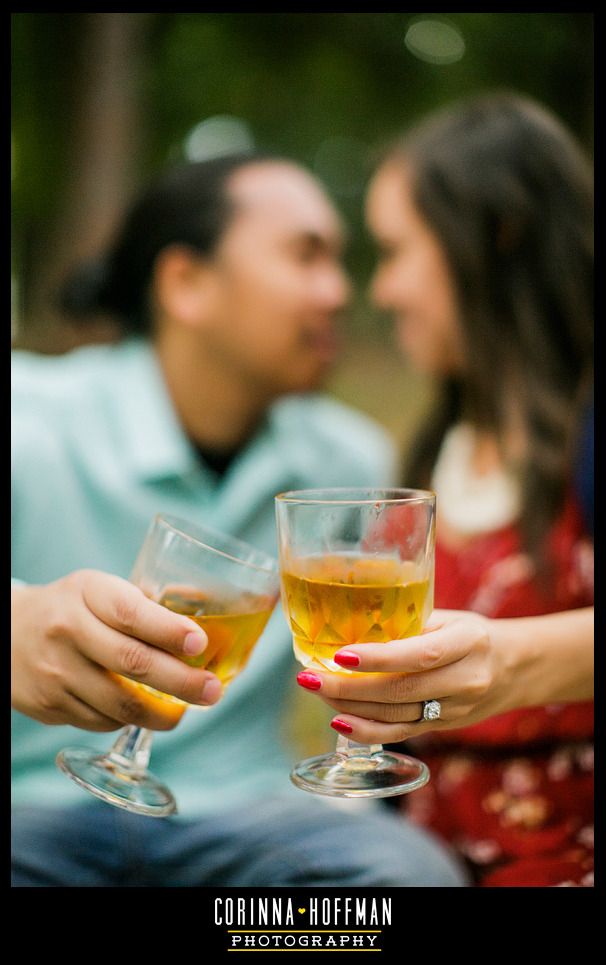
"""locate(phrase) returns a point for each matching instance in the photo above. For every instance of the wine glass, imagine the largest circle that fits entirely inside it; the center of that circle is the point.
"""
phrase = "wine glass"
(229, 589)
(356, 566)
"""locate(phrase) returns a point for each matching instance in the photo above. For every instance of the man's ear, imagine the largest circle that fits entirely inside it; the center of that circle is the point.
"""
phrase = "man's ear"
(184, 286)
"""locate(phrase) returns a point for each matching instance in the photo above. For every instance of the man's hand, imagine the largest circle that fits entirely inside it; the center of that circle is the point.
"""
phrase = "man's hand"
(75, 640)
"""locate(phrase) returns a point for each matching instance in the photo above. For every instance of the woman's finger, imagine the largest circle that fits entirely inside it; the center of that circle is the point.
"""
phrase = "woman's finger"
(384, 713)
(466, 680)
(376, 732)
(444, 644)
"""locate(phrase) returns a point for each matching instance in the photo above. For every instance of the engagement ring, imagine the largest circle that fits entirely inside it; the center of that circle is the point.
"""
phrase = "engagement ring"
(431, 709)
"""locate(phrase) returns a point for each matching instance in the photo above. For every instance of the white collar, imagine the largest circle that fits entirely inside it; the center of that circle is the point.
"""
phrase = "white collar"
(469, 502)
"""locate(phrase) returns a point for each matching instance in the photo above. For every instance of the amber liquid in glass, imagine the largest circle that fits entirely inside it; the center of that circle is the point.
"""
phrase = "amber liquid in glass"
(231, 638)
(336, 600)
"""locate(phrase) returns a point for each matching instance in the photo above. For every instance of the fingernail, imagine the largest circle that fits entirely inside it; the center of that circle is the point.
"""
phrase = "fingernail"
(309, 680)
(211, 691)
(345, 658)
(195, 643)
(341, 725)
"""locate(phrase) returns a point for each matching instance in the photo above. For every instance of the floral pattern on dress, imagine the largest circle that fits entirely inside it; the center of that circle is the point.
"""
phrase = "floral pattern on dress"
(514, 794)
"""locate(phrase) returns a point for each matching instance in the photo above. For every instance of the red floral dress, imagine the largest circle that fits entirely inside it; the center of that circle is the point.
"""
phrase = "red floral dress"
(514, 794)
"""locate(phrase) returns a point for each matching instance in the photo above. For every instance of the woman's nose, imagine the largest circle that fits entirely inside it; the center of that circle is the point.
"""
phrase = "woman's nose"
(378, 290)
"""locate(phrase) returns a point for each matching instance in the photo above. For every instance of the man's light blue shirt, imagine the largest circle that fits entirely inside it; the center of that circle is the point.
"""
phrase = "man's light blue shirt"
(97, 451)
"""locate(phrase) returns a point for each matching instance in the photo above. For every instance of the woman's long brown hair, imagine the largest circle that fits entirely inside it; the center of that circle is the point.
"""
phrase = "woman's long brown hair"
(509, 194)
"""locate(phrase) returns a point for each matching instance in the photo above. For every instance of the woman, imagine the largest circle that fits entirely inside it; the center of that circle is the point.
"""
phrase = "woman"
(483, 218)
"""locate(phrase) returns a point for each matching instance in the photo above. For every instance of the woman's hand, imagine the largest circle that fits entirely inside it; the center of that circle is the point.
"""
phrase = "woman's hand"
(459, 660)
(75, 641)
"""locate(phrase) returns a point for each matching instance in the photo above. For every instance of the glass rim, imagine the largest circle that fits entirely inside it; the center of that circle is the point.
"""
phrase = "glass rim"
(265, 563)
(345, 496)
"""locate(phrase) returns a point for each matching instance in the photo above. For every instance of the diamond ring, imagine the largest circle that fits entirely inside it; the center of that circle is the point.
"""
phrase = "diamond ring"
(431, 709)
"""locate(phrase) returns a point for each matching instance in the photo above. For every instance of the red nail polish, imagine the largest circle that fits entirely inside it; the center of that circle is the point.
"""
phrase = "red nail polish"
(309, 680)
(345, 658)
(341, 725)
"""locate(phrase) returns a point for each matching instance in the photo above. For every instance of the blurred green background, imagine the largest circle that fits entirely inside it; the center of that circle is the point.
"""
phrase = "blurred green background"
(102, 100)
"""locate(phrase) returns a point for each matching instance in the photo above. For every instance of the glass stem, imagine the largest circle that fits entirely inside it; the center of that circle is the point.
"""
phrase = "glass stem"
(350, 749)
(131, 749)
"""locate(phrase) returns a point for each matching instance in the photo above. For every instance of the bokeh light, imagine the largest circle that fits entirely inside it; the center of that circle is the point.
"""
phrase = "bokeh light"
(217, 136)
(435, 41)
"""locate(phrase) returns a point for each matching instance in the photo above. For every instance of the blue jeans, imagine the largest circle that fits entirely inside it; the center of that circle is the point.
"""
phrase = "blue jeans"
(271, 844)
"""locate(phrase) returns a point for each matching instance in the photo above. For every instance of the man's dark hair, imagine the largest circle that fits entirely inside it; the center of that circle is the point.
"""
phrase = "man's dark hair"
(188, 204)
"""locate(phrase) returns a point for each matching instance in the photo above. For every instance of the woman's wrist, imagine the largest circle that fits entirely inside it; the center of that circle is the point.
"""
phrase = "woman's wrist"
(520, 660)
(546, 659)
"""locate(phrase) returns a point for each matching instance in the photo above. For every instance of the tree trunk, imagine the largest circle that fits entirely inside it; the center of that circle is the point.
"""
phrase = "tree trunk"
(101, 158)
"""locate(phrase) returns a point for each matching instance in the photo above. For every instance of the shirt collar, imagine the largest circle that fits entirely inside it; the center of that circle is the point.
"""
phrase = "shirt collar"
(157, 447)
(153, 438)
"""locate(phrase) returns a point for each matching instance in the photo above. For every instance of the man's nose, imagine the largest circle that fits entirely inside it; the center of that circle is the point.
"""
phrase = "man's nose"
(334, 289)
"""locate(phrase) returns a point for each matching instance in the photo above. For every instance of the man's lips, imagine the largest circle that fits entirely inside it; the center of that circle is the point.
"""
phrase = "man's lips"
(326, 342)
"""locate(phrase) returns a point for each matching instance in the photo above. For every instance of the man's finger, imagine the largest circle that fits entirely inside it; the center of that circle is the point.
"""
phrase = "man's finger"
(116, 698)
(83, 715)
(135, 659)
(124, 607)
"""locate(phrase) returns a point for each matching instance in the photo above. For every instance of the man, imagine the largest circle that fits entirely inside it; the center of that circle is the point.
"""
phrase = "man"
(227, 279)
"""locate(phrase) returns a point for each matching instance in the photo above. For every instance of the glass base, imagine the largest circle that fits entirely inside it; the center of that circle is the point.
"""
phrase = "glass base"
(114, 783)
(382, 774)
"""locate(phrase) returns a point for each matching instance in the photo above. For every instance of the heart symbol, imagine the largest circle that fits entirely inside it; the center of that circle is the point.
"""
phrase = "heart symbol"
(301, 910)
